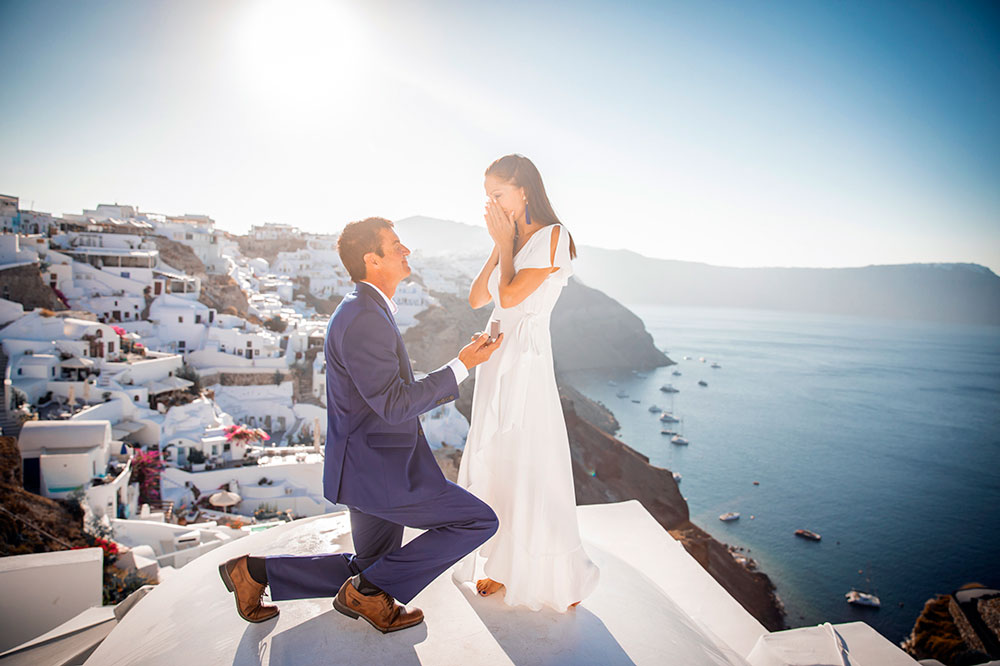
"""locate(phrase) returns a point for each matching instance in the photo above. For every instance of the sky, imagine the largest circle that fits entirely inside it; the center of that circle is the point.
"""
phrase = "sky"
(739, 134)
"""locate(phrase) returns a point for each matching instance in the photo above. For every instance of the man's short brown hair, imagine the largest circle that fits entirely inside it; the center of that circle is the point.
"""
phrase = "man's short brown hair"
(358, 239)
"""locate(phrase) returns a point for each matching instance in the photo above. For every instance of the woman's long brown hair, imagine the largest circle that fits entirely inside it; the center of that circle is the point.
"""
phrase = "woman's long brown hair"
(522, 172)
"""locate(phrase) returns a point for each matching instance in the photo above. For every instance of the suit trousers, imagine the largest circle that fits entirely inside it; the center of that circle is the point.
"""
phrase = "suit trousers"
(456, 523)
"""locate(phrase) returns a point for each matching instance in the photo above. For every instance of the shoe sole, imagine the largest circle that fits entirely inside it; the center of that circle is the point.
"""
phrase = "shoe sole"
(354, 615)
(232, 588)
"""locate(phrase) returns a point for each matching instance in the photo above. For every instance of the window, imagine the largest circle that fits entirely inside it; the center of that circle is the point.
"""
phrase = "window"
(136, 398)
(197, 319)
(126, 274)
(188, 236)
(19, 371)
(249, 343)
(256, 352)
(111, 347)
(181, 344)
(180, 320)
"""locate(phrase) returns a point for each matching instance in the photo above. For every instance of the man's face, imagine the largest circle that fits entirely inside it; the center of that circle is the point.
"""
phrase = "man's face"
(392, 265)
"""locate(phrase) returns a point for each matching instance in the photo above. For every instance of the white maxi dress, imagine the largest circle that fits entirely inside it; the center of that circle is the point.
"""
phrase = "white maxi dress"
(517, 457)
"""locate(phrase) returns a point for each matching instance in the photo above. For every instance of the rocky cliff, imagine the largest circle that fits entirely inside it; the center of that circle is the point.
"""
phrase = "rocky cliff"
(25, 285)
(30, 523)
(219, 292)
(599, 333)
(589, 331)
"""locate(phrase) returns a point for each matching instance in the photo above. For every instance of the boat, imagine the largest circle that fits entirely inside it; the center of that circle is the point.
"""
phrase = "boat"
(669, 388)
(611, 383)
(654, 408)
(622, 394)
(756, 483)
(701, 358)
(677, 477)
(729, 517)
(859, 598)
(687, 358)
(667, 431)
(667, 417)
(808, 534)
(676, 373)
(678, 440)
(716, 365)
(702, 382)
(636, 401)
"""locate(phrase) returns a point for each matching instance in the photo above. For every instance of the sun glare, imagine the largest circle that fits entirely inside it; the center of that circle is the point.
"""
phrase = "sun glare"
(302, 50)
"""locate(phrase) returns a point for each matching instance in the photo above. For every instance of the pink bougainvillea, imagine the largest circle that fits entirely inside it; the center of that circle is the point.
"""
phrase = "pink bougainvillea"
(146, 468)
(245, 435)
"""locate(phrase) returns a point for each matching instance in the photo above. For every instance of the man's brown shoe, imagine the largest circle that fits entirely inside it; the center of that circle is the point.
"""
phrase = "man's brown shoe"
(249, 592)
(382, 611)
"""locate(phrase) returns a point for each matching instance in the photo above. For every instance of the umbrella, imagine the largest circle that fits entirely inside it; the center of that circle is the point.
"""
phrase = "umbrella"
(224, 498)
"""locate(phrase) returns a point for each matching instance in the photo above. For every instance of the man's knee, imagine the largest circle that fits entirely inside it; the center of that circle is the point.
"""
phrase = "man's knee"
(487, 523)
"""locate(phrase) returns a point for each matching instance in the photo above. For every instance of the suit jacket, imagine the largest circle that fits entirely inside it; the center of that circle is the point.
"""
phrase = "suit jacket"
(376, 452)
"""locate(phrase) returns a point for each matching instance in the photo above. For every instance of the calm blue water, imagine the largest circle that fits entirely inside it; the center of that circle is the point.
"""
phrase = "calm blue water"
(883, 436)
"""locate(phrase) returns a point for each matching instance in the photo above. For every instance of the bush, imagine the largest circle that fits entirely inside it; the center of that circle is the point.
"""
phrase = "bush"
(276, 324)
(196, 456)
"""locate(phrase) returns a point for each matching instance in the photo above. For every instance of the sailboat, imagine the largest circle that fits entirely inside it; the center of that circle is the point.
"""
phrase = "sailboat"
(868, 599)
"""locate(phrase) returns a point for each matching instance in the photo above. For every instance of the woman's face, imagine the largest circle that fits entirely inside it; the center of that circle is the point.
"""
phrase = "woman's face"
(508, 195)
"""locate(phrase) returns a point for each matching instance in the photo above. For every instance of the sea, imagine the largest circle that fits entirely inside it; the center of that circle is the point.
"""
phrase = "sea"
(883, 436)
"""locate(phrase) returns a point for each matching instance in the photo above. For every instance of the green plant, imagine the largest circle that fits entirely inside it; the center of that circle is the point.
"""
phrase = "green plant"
(196, 456)
(119, 584)
(276, 324)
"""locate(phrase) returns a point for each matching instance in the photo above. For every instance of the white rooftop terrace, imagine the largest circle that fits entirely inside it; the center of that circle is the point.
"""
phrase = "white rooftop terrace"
(654, 605)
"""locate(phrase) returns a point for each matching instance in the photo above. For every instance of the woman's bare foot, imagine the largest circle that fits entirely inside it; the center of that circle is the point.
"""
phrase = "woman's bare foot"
(488, 586)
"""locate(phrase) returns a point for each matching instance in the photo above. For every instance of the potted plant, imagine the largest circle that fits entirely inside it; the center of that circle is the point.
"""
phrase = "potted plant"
(197, 459)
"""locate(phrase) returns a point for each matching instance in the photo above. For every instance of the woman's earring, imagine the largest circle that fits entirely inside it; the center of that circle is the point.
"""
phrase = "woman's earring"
(527, 215)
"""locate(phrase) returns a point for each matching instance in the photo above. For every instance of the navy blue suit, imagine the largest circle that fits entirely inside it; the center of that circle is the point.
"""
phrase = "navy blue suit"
(378, 463)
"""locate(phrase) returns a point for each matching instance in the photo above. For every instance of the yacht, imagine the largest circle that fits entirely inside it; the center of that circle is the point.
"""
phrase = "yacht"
(687, 358)
(702, 382)
(654, 408)
(808, 534)
(701, 358)
(636, 400)
(676, 373)
(716, 365)
(863, 599)
(677, 477)
(667, 431)
(678, 440)
(729, 517)
(669, 388)
(611, 383)
(667, 417)
(622, 394)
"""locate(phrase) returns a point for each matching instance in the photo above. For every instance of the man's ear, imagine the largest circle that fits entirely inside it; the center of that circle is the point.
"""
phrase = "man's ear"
(371, 259)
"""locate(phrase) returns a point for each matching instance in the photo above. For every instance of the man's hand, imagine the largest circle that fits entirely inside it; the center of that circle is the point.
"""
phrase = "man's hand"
(479, 350)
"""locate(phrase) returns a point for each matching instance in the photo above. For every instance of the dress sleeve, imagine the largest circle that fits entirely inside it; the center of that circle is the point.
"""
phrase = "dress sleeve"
(539, 254)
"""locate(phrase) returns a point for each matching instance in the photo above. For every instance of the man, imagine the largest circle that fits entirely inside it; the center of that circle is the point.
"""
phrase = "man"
(378, 462)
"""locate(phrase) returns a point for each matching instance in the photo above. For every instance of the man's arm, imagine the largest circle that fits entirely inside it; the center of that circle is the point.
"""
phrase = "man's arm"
(369, 346)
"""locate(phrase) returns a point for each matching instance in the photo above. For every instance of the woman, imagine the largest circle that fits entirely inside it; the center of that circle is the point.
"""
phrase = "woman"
(517, 456)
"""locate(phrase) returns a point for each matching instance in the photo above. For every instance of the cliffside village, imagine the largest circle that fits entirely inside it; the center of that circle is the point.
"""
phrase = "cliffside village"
(110, 352)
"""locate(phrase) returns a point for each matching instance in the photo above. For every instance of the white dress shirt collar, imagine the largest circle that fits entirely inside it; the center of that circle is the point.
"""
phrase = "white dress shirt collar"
(393, 308)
